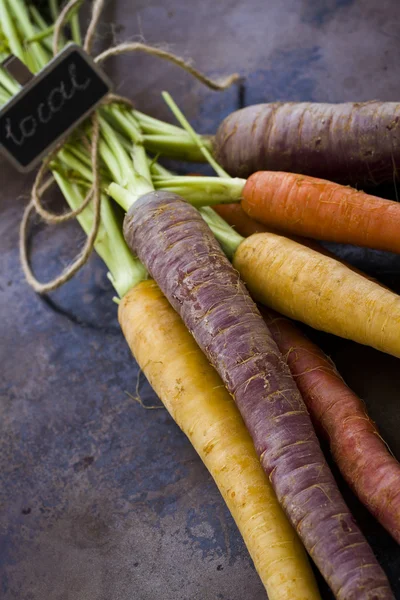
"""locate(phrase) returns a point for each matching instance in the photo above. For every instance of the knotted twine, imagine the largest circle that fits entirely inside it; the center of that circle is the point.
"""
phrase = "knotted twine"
(40, 186)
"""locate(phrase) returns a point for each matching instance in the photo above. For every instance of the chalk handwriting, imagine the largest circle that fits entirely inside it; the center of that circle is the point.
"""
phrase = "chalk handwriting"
(56, 101)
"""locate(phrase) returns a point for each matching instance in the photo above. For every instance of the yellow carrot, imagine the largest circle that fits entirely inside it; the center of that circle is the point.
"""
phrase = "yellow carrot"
(195, 397)
(319, 290)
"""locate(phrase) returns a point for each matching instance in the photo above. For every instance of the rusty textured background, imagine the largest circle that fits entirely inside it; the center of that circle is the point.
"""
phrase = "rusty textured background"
(99, 498)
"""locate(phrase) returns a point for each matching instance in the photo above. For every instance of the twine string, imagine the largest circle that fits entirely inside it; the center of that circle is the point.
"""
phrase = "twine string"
(126, 47)
(60, 22)
(83, 257)
(97, 9)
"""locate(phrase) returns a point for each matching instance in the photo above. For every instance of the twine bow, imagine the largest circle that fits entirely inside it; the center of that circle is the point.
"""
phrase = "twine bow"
(40, 186)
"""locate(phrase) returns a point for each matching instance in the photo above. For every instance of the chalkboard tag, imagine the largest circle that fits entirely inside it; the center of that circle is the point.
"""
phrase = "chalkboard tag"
(50, 105)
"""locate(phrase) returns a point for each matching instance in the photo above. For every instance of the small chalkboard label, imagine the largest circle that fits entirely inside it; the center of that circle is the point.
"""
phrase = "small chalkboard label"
(50, 106)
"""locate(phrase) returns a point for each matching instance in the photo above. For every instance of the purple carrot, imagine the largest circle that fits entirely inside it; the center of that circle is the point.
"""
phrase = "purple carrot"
(182, 255)
(356, 143)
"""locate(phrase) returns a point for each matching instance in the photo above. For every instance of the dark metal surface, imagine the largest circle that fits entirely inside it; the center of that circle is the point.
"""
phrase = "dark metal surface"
(99, 498)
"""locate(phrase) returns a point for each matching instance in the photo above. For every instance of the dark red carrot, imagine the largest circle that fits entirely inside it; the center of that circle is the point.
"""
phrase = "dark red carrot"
(316, 208)
(340, 416)
(356, 143)
(246, 226)
(239, 220)
(182, 255)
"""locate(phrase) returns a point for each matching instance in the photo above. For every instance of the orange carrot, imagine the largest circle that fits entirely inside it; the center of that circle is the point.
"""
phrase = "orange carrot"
(323, 210)
(340, 416)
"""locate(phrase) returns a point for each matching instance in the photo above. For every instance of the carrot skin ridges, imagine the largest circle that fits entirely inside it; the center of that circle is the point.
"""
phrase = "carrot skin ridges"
(340, 416)
(356, 143)
(316, 208)
(182, 255)
(177, 368)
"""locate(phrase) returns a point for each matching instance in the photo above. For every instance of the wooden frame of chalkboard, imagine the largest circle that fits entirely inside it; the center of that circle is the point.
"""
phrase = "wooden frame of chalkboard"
(50, 107)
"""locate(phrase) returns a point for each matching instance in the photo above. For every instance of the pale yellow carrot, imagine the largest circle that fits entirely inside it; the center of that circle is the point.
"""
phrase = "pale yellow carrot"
(195, 397)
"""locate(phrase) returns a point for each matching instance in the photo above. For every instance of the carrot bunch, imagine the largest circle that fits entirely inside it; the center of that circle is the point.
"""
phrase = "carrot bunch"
(179, 252)
(300, 279)
(184, 259)
(243, 384)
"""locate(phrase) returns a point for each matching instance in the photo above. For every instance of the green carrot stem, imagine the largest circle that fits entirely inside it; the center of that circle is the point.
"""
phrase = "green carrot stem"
(42, 25)
(36, 51)
(124, 141)
(140, 181)
(75, 164)
(174, 141)
(121, 119)
(138, 186)
(119, 152)
(121, 195)
(112, 118)
(126, 271)
(150, 124)
(80, 153)
(37, 18)
(69, 159)
(53, 7)
(167, 133)
(175, 146)
(41, 35)
(110, 161)
(158, 170)
(195, 137)
(78, 160)
(132, 171)
(140, 161)
(225, 234)
(203, 191)
(4, 97)
(10, 31)
(76, 29)
(8, 83)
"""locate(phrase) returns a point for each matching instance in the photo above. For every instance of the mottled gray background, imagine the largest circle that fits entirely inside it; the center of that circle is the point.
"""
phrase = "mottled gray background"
(99, 498)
